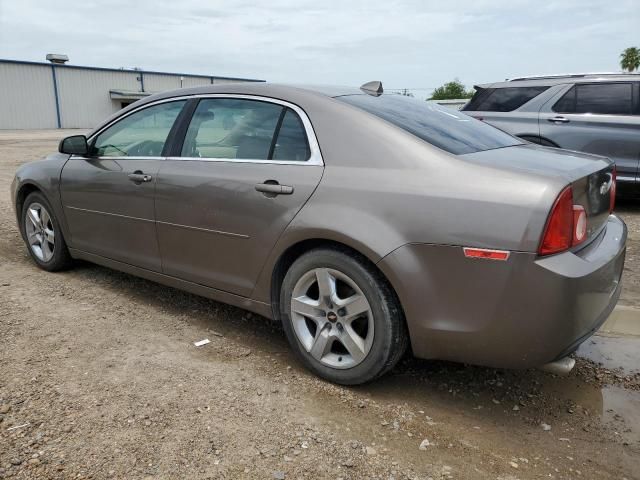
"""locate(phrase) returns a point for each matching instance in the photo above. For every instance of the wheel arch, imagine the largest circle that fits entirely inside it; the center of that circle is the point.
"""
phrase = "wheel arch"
(296, 250)
(29, 186)
(23, 192)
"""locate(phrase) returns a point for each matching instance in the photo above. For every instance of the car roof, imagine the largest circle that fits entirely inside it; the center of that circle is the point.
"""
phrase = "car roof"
(300, 95)
(273, 90)
(550, 80)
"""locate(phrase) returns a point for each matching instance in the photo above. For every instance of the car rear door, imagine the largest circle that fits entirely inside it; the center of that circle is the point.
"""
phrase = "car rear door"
(600, 118)
(508, 108)
(242, 169)
(108, 197)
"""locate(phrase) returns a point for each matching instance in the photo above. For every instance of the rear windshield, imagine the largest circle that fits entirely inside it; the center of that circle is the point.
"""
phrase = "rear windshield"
(502, 99)
(442, 127)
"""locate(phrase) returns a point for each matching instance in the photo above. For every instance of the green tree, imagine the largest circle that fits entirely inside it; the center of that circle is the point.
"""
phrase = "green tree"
(450, 91)
(630, 59)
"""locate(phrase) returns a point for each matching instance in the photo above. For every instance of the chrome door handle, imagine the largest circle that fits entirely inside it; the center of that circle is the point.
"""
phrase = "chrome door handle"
(139, 177)
(271, 188)
(558, 120)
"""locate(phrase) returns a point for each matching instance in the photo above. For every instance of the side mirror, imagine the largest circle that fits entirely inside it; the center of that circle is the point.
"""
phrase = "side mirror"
(74, 145)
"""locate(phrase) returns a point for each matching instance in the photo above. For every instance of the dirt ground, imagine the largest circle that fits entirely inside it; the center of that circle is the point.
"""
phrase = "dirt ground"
(99, 378)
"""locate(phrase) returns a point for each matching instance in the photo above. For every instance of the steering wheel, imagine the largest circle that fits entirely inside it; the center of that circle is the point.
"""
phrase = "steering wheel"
(145, 148)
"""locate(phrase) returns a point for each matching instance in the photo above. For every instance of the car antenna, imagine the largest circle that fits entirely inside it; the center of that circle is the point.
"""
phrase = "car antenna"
(372, 88)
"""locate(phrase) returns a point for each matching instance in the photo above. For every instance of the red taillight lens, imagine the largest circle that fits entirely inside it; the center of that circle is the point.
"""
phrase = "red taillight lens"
(484, 253)
(612, 190)
(558, 234)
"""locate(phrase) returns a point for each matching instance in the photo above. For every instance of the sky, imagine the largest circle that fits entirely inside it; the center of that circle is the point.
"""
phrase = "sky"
(410, 44)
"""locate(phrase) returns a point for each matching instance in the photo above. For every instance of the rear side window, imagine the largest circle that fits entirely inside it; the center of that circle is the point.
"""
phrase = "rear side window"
(229, 128)
(478, 97)
(233, 128)
(503, 99)
(597, 98)
(291, 143)
(442, 127)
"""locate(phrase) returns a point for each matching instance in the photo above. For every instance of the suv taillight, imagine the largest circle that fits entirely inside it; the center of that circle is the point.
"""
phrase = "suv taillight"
(566, 226)
(612, 190)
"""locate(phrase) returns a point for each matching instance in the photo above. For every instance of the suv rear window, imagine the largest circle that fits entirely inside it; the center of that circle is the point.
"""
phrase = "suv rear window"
(440, 126)
(502, 99)
(599, 98)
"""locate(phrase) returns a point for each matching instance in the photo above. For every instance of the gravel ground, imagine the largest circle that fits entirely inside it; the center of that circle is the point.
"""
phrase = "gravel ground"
(100, 379)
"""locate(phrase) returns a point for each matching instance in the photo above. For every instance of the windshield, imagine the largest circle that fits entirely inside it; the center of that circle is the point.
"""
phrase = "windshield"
(442, 127)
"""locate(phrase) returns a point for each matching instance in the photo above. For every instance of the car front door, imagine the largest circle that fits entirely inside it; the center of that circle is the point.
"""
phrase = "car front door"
(244, 169)
(600, 118)
(108, 197)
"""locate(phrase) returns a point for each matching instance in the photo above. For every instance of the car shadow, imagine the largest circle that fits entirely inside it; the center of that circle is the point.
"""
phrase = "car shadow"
(484, 395)
(628, 203)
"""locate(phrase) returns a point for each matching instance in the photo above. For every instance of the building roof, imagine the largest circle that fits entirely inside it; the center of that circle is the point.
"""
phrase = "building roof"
(81, 67)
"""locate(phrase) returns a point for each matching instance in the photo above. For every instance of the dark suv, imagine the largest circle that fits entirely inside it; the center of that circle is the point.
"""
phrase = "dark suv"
(594, 113)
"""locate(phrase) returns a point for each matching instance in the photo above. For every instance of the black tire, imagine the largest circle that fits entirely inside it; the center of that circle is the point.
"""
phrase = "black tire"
(390, 338)
(61, 259)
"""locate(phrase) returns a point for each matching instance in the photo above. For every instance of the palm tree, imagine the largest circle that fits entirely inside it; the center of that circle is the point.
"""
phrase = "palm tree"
(630, 59)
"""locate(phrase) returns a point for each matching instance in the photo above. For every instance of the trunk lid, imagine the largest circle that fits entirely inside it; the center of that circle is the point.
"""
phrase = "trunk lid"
(590, 176)
(594, 193)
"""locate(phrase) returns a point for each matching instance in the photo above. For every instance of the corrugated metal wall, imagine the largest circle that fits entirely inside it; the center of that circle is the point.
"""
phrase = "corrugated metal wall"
(84, 94)
(154, 82)
(28, 100)
(194, 81)
(26, 97)
(218, 81)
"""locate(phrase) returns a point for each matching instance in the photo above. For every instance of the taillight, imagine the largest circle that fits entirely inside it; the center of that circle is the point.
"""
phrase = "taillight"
(612, 190)
(566, 226)
(580, 224)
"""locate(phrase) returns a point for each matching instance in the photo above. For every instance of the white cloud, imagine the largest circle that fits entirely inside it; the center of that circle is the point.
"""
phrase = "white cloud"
(407, 43)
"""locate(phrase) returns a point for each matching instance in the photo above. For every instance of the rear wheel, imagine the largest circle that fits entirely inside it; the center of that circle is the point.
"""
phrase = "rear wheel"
(42, 234)
(341, 317)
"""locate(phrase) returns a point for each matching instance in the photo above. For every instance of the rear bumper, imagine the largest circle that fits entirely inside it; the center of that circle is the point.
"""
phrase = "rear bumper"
(521, 313)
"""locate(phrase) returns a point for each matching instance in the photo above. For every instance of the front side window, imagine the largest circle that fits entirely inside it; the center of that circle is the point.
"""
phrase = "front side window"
(141, 134)
(232, 128)
(503, 99)
(597, 98)
(440, 126)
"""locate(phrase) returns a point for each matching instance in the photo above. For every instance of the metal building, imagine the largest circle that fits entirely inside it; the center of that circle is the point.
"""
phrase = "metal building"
(58, 95)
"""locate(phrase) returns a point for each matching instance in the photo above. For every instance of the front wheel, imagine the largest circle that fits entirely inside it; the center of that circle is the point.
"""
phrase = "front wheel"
(341, 317)
(43, 235)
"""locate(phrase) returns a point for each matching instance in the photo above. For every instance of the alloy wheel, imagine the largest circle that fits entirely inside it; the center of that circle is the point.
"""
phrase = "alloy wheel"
(40, 232)
(332, 318)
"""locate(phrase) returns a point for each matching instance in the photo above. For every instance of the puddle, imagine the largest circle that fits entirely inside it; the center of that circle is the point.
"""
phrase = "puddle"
(621, 410)
(613, 352)
(614, 406)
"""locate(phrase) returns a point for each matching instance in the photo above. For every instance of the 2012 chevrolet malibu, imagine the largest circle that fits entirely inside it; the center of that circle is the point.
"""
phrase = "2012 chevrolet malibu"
(365, 222)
